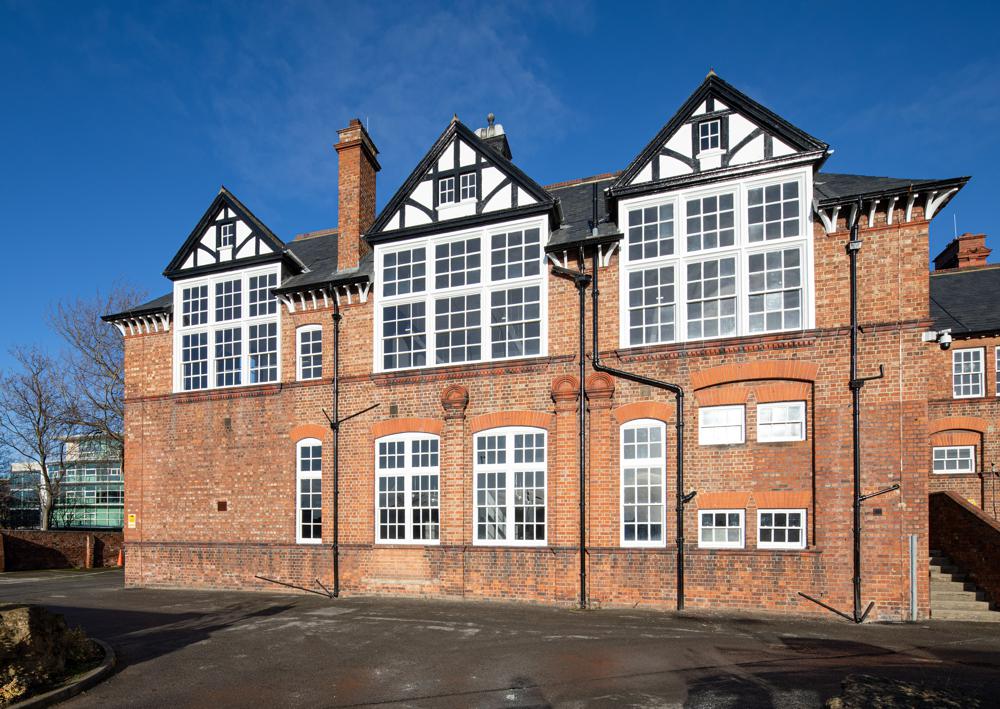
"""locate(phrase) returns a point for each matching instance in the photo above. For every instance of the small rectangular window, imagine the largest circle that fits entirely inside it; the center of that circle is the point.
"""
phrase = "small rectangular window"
(784, 421)
(773, 211)
(261, 300)
(194, 361)
(720, 529)
(651, 232)
(468, 186)
(194, 303)
(515, 254)
(404, 272)
(967, 373)
(311, 352)
(775, 290)
(711, 298)
(228, 300)
(227, 235)
(228, 356)
(457, 264)
(721, 425)
(515, 322)
(708, 135)
(955, 459)
(651, 306)
(711, 222)
(446, 190)
(263, 353)
(404, 335)
(781, 529)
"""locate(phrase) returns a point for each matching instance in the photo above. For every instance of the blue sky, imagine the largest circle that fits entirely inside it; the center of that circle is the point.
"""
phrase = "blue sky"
(121, 120)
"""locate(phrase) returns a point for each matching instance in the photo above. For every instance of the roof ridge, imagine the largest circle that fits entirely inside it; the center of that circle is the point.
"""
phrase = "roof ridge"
(958, 270)
(313, 234)
(582, 180)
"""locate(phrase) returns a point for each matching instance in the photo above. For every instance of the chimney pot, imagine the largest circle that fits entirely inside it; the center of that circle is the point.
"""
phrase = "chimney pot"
(355, 192)
(964, 251)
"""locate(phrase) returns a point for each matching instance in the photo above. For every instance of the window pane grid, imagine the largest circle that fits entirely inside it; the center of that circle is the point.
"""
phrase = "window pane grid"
(310, 491)
(651, 232)
(458, 329)
(311, 353)
(720, 528)
(510, 477)
(967, 372)
(721, 425)
(515, 318)
(261, 300)
(468, 186)
(643, 463)
(775, 290)
(408, 495)
(711, 296)
(228, 356)
(651, 305)
(446, 190)
(194, 303)
(194, 361)
(773, 211)
(515, 254)
(228, 300)
(457, 264)
(954, 459)
(781, 422)
(781, 528)
(263, 347)
(404, 339)
(708, 135)
(404, 272)
(711, 222)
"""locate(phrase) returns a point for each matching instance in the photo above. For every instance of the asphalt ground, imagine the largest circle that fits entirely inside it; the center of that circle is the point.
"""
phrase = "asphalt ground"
(182, 648)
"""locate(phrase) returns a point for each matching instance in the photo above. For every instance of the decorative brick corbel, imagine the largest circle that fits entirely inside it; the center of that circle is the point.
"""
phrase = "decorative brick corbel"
(600, 390)
(565, 392)
(454, 400)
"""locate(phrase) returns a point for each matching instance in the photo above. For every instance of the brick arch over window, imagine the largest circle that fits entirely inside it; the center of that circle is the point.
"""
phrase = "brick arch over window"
(308, 430)
(391, 427)
(956, 438)
(785, 369)
(642, 410)
(958, 423)
(534, 419)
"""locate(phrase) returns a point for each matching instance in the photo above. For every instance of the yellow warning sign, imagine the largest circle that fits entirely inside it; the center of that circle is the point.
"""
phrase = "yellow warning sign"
(131, 521)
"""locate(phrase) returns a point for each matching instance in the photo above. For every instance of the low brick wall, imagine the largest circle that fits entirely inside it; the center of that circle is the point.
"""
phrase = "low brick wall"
(25, 550)
(969, 537)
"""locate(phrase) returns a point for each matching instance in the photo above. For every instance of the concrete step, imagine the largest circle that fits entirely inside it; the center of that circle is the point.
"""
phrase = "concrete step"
(957, 595)
(960, 605)
(975, 616)
(945, 569)
(952, 587)
(957, 576)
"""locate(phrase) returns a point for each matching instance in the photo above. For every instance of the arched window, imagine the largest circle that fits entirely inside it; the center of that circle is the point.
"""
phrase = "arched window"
(407, 489)
(643, 488)
(309, 343)
(309, 491)
(509, 469)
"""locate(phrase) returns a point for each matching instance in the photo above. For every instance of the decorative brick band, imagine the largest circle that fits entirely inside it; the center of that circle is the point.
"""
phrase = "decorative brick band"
(730, 500)
(642, 410)
(792, 369)
(956, 438)
(307, 430)
(783, 499)
(958, 423)
(534, 419)
(390, 427)
(782, 391)
(721, 397)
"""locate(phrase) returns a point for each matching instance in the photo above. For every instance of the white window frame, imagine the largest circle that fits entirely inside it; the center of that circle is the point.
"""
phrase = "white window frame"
(484, 288)
(450, 185)
(407, 472)
(726, 544)
(510, 468)
(996, 370)
(971, 458)
(469, 177)
(742, 249)
(981, 390)
(703, 439)
(211, 325)
(717, 122)
(801, 544)
(299, 332)
(301, 475)
(649, 462)
(798, 406)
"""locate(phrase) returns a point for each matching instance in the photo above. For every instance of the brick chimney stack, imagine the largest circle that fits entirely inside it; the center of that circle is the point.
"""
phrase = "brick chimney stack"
(964, 251)
(356, 192)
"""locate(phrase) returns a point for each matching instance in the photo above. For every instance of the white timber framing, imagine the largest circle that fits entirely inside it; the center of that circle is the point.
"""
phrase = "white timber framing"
(143, 324)
(317, 298)
(933, 199)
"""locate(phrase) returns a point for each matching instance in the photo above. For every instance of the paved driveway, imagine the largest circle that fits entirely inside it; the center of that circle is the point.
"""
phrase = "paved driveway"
(220, 649)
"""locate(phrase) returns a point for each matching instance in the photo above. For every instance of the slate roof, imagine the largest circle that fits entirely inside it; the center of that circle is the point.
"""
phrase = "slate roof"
(832, 187)
(967, 300)
(163, 304)
(576, 198)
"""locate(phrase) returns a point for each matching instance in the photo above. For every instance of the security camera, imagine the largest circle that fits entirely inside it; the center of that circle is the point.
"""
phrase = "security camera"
(945, 340)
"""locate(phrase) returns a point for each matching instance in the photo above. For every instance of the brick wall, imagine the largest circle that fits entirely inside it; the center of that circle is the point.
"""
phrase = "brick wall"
(25, 550)
(186, 453)
(970, 538)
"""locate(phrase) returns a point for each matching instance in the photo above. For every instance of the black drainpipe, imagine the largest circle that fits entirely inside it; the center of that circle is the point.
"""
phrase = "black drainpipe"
(335, 425)
(581, 280)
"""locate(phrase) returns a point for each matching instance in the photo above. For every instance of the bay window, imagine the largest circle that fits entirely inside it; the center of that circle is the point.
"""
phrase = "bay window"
(471, 297)
(227, 334)
(722, 262)
(509, 472)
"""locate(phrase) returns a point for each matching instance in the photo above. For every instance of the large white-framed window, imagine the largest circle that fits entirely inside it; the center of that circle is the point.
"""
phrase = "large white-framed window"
(781, 421)
(954, 459)
(408, 489)
(462, 297)
(728, 260)
(309, 352)
(228, 332)
(967, 372)
(309, 491)
(721, 529)
(510, 474)
(721, 425)
(643, 483)
(781, 529)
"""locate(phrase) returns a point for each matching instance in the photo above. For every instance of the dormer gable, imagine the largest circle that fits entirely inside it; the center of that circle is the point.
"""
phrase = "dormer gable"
(228, 236)
(719, 130)
(462, 179)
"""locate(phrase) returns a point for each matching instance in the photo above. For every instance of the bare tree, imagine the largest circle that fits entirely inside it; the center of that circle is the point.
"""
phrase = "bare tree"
(33, 421)
(95, 363)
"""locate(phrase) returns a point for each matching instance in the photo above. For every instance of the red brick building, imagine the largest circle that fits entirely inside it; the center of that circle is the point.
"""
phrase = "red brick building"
(722, 269)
